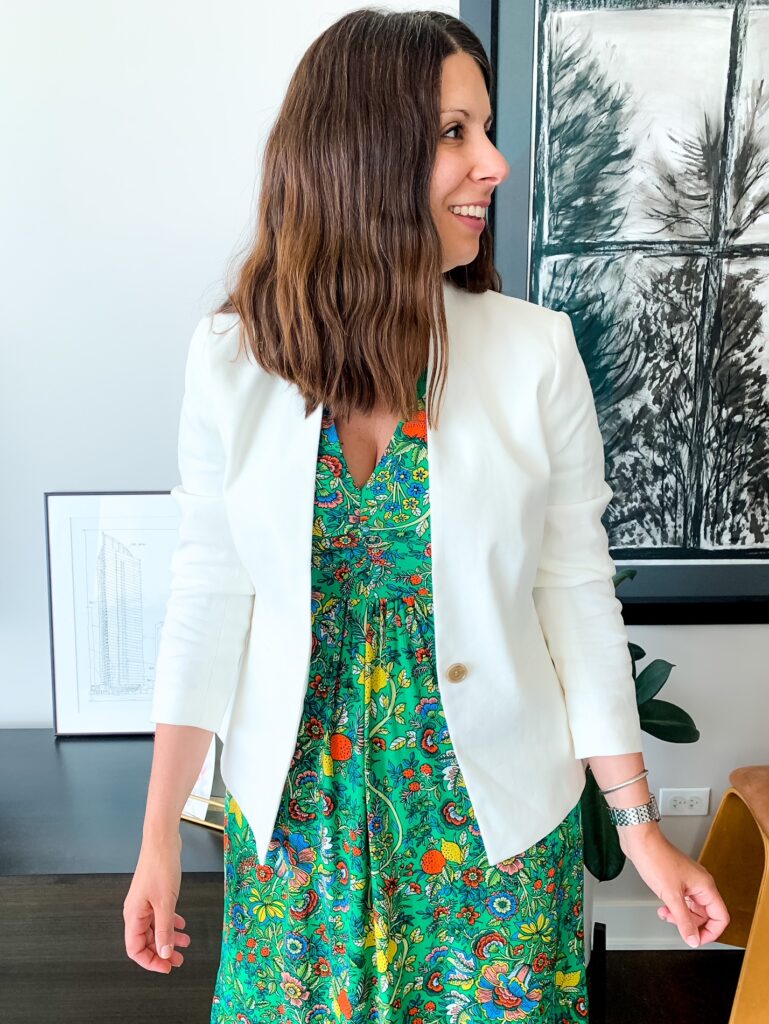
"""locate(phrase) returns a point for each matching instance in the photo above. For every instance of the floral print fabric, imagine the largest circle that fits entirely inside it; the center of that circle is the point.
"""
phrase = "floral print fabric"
(377, 902)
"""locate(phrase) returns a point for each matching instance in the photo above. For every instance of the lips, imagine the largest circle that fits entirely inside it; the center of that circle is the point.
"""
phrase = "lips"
(477, 224)
(477, 202)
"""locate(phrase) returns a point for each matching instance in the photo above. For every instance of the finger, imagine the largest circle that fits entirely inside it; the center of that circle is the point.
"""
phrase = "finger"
(139, 939)
(141, 949)
(687, 924)
(696, 910)
(182, 939)
(162, 964)
(164, 932)
(150, 961)
(709, 904)
(139, 945)
(663, 913)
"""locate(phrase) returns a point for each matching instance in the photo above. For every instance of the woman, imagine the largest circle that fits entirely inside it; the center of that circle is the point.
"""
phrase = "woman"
(384, 874)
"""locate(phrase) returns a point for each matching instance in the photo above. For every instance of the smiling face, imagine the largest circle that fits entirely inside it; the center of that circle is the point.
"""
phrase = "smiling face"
(468, 167)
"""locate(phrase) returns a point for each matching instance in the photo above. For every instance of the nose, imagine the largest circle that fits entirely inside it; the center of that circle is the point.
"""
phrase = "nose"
(503, 167)
(492, 165)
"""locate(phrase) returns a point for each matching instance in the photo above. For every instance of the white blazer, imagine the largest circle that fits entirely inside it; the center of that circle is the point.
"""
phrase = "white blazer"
(532, 656)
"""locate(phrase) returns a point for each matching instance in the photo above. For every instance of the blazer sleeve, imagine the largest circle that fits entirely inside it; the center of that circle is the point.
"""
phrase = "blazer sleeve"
(208, 612)
(580, 614)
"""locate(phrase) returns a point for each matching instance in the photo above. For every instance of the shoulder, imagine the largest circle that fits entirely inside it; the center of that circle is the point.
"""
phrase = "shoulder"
(501, 313)
(216, 335)
(512, 334)
(219, 367)
(216, 346)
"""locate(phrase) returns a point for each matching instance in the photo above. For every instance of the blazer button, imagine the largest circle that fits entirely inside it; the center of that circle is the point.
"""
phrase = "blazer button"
(456, 672)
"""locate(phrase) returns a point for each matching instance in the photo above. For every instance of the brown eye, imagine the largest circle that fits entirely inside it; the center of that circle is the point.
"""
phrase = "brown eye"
(459, 127)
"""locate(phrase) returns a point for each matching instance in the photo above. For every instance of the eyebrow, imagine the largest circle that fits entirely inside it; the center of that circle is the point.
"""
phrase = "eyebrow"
(459, 110)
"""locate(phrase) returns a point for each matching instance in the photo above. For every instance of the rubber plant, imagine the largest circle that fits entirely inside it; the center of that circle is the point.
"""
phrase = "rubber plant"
(603, 855)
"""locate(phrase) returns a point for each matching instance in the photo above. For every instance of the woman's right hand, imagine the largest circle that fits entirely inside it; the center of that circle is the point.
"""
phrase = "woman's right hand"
(149, 909)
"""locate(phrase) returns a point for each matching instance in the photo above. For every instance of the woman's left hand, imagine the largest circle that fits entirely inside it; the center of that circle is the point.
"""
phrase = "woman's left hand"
(688, 891)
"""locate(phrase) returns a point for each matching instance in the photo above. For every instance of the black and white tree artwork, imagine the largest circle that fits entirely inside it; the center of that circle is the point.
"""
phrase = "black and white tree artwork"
(650, 228)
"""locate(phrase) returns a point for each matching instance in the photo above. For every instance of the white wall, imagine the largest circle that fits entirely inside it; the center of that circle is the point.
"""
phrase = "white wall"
(131, 140)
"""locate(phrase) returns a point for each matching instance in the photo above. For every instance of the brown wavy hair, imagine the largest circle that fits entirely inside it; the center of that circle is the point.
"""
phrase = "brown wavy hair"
(342, 286)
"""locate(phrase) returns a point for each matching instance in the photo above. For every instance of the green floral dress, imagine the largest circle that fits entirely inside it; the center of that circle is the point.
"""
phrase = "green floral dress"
(377, 902)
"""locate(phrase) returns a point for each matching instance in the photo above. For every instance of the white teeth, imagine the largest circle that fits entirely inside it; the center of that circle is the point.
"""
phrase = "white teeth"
(469, 211)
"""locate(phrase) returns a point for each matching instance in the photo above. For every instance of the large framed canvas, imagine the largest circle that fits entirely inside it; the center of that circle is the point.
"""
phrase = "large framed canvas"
(638, 203)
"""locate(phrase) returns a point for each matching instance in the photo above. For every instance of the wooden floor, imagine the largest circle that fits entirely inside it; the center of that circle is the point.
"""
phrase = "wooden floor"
(62, 959)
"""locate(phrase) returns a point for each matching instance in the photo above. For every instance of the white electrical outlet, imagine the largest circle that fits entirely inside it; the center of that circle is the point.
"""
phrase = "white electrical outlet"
(684, 801)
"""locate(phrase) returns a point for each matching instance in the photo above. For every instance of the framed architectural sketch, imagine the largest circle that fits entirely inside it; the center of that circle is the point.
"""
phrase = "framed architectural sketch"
(643, 128)
(109, 573)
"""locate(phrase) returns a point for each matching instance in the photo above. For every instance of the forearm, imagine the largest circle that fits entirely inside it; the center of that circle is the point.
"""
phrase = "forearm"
(611, 769)
(177, 759)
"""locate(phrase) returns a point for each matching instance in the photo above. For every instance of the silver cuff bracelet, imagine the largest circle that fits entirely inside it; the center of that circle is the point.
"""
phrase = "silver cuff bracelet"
(635, 815)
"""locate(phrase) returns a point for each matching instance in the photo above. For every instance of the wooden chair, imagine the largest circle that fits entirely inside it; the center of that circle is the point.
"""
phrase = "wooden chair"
(736, 853)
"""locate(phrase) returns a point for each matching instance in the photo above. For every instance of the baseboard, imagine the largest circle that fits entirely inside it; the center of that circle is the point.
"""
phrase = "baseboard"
(633, 924)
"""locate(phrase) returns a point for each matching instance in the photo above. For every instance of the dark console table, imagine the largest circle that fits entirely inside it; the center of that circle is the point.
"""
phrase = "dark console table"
(71, 815)
(75, 805)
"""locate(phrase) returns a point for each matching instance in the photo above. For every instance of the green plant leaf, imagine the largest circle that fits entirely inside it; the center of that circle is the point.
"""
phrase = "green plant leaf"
(667, 721)
(623, 574)
(636, 651)
(651, 680)
(604, 858)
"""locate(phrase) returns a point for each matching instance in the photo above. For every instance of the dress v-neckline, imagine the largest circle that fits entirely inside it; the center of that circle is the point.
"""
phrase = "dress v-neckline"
(385, 454)
(421, 384)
